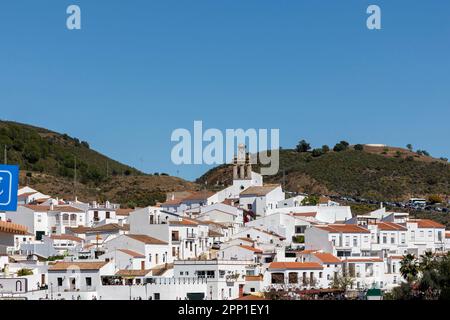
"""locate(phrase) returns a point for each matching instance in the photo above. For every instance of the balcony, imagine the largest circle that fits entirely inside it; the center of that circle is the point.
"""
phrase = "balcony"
(191, 235)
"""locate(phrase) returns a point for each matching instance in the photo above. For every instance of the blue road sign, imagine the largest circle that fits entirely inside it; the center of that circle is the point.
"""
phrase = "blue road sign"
(9, 185)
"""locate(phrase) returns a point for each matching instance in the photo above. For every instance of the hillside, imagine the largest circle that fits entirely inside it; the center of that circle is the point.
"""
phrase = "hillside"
(375, 173)
(47, 162)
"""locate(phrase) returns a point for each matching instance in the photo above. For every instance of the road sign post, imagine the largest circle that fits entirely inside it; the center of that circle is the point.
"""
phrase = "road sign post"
(9, 185)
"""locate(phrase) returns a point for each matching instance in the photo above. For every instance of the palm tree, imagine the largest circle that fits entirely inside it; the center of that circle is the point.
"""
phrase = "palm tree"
(409, 267)
(427, 261)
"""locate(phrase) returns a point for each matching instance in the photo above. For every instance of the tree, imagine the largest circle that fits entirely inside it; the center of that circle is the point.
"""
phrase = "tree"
(359, 147)
(409, 147)
(341, 146)
(303, 146)
(310, 201)
(317, 152)
(325, 148)
(427, 261)
(409, 267)
(342, 282)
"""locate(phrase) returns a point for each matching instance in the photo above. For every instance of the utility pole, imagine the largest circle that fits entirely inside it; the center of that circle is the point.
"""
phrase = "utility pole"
(75, 179)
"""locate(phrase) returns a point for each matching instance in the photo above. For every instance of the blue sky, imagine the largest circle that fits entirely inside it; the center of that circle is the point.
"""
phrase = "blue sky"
(140, 69)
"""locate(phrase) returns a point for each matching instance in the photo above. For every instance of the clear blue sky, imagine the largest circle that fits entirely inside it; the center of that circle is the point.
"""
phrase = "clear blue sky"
(139, 69)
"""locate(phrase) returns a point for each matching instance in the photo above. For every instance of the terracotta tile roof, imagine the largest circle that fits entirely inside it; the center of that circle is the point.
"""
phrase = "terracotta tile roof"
(259, 191)
(327, 258)
(343, 228)
(131, 253)
(37, 208)
(396, 257)
(390, 226)
(26, 194)
(13, 228)
(66, 209)
(214, 234)
(200, 195)
(124, 212)
(133, 273)
(62, 266)
(110, 227)
(253, 278)
(145, 239)
(427, 224)
(295, 266)
(65, 237)
(255, 250)
(305, 214)
(171, 202)
(183, 222)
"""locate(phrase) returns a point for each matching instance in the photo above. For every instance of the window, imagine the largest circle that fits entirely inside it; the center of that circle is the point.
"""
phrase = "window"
(149, 257)
(384, 238)
(293, 277)
(221, 273)
(430, 234)
(157, 296)
(277, 278)
(347, 241)
(403, 238)
(108, 214)
(96, 216)
(439, 236)
(88, 281)
(60, 282)
(355, 241)
(320, 275)
(392, 239)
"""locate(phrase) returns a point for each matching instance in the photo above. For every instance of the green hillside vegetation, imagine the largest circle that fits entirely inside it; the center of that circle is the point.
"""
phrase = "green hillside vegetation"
(47, 162)
(370, 174)
(40, 150)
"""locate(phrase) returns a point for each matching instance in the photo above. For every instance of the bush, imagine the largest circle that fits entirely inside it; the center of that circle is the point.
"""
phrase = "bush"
(298, 239)
(435, 198)
(24, 272)
(359, 147)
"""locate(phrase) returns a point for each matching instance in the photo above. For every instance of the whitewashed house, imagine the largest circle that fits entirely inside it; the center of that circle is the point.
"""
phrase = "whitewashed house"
(155, 251)
(261, 199)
